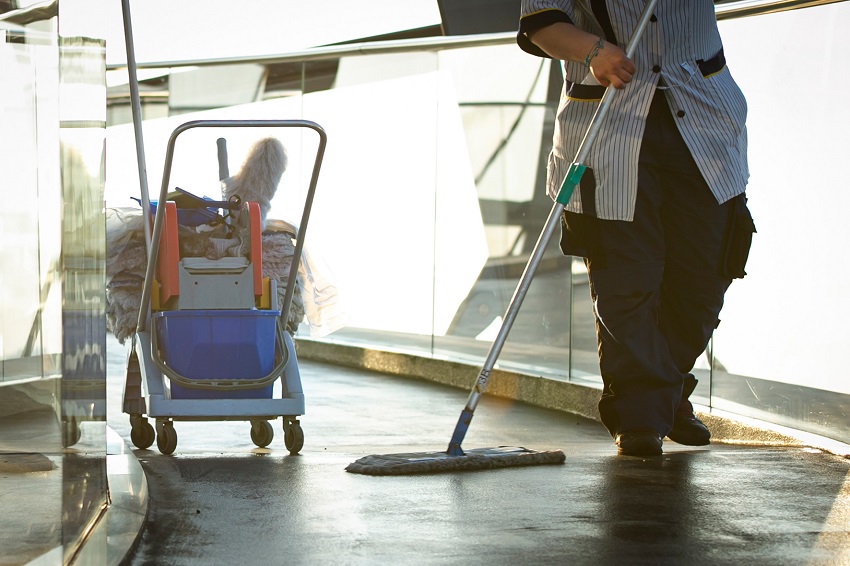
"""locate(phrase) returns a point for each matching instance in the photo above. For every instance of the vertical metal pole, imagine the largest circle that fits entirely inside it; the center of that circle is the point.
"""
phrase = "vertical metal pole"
(570, 182)
(136, 106)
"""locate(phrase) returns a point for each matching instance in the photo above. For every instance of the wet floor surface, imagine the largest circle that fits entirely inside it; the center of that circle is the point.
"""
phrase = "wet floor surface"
(220, 500)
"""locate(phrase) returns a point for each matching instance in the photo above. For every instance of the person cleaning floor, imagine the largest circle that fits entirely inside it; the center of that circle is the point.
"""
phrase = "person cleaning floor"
(660, 215)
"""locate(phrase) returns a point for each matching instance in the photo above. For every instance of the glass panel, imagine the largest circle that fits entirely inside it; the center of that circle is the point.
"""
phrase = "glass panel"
(82, 122)
(190, 91)
(390, 121)
(487, 174)
(507, 142)
(777, 351)
(434, 179)
(30, 285)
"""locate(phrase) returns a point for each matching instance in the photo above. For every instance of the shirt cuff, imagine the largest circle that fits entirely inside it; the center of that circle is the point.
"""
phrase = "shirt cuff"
(533, 22)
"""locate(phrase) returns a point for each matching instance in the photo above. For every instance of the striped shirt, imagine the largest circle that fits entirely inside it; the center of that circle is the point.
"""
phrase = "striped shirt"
(681, 51)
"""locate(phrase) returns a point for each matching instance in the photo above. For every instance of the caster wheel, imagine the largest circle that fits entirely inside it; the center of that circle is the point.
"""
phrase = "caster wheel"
(262, 433)
(166, 440)
(293, 436)
(142, 434)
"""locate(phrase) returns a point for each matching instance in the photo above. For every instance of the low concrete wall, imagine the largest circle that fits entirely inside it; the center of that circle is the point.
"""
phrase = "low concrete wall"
(535, 390)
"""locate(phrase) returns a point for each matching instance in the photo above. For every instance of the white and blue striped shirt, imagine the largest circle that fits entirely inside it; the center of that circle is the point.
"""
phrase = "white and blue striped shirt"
(681, 50)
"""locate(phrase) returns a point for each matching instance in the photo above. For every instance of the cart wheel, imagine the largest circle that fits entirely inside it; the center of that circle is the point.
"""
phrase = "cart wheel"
(71, 433)
(262, 433)
(293, 436)
(142, 434)
(166, 440)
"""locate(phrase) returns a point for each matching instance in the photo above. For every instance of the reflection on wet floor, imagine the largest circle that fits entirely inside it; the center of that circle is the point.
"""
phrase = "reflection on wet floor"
(221, 499)
(30, 472)
(52, 484)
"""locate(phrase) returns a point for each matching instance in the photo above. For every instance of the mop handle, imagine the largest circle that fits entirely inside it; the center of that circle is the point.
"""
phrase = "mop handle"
(136, 107)
(571, 180)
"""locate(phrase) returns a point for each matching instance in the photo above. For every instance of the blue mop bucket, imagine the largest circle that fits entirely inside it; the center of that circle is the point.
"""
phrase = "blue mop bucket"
(218, 344)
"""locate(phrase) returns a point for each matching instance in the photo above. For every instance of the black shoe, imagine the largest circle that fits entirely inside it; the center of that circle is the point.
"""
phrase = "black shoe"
(689, 430)
(639, 442)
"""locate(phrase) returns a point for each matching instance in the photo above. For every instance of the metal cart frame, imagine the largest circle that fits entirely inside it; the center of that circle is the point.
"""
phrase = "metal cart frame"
(146, 393)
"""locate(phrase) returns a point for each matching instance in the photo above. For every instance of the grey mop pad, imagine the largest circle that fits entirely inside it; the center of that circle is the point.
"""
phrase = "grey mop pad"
(431, 462)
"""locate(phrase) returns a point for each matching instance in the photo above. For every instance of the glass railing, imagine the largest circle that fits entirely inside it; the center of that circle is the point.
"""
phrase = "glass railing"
(431, 197)
(52, 336)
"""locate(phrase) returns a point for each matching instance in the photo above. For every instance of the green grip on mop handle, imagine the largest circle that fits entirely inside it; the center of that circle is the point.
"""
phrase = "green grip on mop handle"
(571, 181)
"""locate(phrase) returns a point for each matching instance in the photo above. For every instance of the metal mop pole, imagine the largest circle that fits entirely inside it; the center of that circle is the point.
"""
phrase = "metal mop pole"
(570, 182)
(136, 106)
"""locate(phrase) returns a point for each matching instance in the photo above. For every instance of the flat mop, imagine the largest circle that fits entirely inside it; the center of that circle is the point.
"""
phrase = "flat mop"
(455, 458)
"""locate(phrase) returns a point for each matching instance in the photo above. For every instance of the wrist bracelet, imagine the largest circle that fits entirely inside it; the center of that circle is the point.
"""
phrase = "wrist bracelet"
(593, 52)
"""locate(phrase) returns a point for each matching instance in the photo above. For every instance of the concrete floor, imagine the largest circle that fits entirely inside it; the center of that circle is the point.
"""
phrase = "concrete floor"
(220, 500)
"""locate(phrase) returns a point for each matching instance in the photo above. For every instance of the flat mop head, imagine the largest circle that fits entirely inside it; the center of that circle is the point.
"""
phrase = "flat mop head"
(435, 462)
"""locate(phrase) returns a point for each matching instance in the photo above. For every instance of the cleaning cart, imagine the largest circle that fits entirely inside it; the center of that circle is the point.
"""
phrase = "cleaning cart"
(210, 343)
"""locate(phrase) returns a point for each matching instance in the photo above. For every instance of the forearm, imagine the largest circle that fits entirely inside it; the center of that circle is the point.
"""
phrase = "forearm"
(607, 62)
(564, 41)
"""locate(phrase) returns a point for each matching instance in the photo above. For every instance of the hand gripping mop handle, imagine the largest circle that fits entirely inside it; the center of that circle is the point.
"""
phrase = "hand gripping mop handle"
(571, 180)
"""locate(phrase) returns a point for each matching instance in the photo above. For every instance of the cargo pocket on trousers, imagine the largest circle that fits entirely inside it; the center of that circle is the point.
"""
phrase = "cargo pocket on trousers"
(737, 239)
(580, 230)
(580, 237)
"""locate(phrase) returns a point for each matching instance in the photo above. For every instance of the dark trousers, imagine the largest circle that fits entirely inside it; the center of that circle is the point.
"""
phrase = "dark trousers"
(655, 282)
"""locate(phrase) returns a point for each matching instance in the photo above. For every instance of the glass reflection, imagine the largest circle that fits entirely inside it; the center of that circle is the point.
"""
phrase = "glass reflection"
(82, 135)
(52, 370)
(30, 284)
